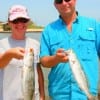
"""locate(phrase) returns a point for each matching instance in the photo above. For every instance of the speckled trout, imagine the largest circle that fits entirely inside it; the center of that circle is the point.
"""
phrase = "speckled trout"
(28, 81)
(79, 74)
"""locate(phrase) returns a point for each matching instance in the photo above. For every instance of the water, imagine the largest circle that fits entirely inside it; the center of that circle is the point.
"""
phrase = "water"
(45, 70)
(32, 35)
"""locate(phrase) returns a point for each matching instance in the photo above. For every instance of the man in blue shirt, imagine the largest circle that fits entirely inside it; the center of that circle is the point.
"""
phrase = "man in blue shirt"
(79, 33)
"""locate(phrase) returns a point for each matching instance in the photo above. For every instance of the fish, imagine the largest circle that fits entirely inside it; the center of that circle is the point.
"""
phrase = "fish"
(28, 77)
(79, 74)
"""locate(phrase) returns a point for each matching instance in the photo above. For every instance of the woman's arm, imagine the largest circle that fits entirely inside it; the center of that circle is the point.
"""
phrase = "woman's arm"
(41, 82)
(5, 58)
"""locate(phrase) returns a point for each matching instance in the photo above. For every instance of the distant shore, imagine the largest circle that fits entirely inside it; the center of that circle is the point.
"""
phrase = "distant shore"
(28, 30)
(34, 30)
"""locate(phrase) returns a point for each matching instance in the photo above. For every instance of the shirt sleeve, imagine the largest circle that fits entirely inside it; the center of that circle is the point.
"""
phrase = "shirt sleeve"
(36, 53)
(98, 38)
(44, 44)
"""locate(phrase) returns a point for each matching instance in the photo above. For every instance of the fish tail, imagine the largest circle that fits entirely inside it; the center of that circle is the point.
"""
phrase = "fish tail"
(91, 97)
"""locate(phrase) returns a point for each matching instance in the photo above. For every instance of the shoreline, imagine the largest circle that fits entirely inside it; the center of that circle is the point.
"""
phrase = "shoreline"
(28, 30)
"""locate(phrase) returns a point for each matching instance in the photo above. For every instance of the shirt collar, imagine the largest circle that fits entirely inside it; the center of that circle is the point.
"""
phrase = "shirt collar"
(76, 20)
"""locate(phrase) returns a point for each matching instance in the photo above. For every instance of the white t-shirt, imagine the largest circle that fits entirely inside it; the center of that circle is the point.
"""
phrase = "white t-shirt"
(10, 76)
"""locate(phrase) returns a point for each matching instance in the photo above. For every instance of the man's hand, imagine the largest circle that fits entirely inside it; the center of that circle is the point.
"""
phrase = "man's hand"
(61, 56)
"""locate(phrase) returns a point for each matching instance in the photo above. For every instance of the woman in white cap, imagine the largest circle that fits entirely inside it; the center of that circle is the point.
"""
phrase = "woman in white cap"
(10, 74)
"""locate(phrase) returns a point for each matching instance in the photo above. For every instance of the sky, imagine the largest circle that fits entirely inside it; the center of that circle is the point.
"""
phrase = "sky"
(42, 12)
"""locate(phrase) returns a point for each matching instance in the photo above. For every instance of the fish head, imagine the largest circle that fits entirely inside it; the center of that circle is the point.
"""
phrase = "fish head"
(68, 52)
(71, 55)
(29, 57)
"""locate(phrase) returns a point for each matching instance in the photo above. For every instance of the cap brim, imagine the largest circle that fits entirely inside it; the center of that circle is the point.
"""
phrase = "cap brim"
(13, 17)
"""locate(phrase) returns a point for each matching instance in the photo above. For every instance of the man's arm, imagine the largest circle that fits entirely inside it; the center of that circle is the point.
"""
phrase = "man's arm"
(51, 61)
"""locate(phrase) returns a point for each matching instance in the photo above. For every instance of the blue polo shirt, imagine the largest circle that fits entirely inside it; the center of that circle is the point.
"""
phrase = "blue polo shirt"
(84, 39)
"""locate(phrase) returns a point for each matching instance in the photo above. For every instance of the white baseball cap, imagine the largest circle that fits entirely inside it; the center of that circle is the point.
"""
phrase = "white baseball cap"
(18, 11)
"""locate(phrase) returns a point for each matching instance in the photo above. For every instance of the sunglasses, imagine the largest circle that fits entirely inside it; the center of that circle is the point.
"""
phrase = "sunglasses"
(21, 20)
(60, 1)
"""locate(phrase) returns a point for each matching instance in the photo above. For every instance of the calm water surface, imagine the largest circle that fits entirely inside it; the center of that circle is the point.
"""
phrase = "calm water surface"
(32, 35)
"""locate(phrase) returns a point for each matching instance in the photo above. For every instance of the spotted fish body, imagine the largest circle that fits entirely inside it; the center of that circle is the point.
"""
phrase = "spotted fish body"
(28, 81)
(79, 74)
